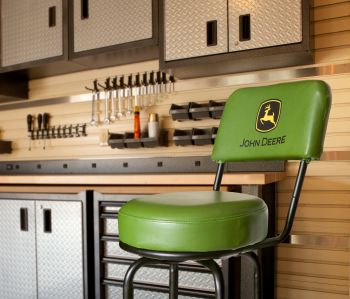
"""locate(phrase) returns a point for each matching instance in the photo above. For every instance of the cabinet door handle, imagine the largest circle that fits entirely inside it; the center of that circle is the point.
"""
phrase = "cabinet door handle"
(52, 16)
(84, 9)
(47, 221)
(212, 33)
(244, 28)
(23, 216)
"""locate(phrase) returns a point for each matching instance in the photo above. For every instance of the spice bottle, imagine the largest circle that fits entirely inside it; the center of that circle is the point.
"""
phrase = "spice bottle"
(153, 125)
(137, 125)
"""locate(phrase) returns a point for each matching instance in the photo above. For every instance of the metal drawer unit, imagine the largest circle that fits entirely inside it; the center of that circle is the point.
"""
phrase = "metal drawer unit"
(32, 31)
(111, 262)
(201, 38)
(46, 248)
(111, 28)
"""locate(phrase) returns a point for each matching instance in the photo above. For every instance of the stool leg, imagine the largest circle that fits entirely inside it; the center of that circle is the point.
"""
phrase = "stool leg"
(258, 287)
(218, 277)
(128, 290)
(174, 281)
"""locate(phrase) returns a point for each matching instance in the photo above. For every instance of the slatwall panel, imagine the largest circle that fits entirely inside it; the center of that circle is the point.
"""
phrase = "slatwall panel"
(308, 272)
(314, 271)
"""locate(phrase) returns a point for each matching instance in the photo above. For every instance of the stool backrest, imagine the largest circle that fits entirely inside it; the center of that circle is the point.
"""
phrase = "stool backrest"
(284, 121)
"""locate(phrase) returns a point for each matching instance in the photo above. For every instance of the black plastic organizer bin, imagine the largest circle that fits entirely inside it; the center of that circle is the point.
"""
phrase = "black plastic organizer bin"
(131, 142)
(5, 147)
(204, 136)
(179, 112)
(127, 140)
(216, 109)
(195, 136)
(198, 111)
(162, 140)
(182, 137)
(116, 140)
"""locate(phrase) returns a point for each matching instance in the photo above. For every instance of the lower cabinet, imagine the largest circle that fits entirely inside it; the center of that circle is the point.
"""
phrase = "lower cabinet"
(111, 262)
(43, 252)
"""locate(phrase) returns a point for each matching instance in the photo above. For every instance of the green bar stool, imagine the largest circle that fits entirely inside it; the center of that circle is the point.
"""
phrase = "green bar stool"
(279, 122)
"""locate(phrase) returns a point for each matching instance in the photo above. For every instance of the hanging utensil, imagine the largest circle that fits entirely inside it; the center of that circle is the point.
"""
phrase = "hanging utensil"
(107, 89)
(113, 92)
(95, 98)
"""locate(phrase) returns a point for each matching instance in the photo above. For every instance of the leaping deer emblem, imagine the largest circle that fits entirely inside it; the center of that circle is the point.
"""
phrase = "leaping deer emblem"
(267, 116)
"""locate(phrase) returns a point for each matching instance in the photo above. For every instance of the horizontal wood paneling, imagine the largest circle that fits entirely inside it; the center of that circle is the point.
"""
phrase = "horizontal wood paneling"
(329, 26)
(335, 9)
(317, 3)
(292, 293)
(320, 285)
(324, 209)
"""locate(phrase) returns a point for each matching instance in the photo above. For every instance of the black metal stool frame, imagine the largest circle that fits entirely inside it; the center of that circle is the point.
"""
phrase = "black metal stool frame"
(206, 259)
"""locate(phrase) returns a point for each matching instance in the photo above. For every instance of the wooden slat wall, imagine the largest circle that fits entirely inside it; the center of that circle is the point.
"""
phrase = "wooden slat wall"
(317, 272)
(307, 272)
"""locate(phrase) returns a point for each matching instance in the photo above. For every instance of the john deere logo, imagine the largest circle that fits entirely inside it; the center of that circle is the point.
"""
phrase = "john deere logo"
(268, 116)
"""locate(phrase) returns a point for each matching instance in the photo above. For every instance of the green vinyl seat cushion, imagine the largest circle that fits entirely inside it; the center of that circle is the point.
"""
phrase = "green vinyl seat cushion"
(193, 221)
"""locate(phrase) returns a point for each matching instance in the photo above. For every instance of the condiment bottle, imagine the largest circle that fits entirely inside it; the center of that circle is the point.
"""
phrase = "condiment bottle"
(153, 125)
(137, 125)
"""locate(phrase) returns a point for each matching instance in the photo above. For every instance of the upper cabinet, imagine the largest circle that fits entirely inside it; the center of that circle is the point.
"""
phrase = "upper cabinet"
(197, 38)
(200, 38)
(50, 37)
(31, 31)
(195, 28)
(259, 24)
(118, 26)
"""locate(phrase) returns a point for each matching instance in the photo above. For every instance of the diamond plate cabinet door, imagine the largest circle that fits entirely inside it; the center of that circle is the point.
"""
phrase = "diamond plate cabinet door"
(194, 28)
(258, 24)
(17, 249)
(31, 30)
(60, 249)
(112, 26)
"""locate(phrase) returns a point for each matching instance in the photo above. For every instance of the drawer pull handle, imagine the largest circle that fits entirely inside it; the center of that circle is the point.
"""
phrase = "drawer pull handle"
(212, 33)
(244, 28)
(84, 9)
(47, 221)
(52, 16)
(23, 219)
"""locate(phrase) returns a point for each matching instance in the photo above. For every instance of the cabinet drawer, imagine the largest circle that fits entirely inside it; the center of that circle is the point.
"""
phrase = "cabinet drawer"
(201, 280)
(194, 28)
(114, 22)
(259, 24)
(110, 226)
(112, 249)
(117, 292)
(26, 34)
